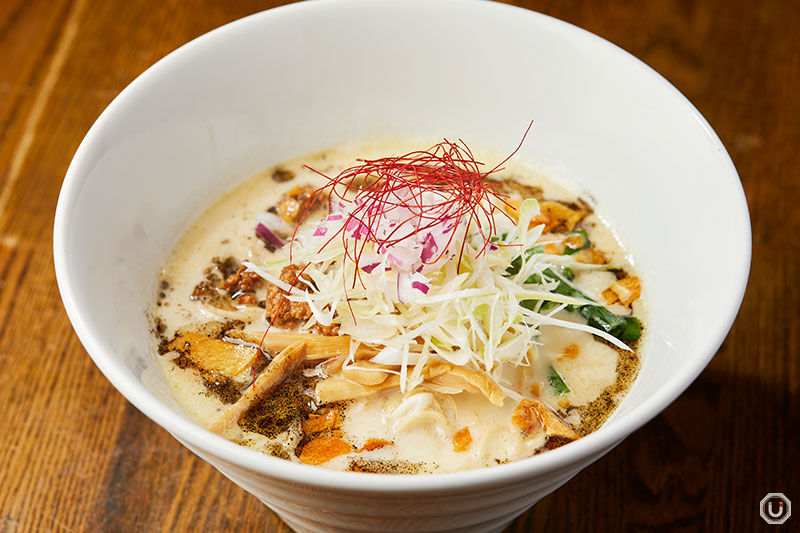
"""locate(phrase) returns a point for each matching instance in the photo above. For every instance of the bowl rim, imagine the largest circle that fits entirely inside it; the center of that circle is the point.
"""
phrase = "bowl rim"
(591, 446)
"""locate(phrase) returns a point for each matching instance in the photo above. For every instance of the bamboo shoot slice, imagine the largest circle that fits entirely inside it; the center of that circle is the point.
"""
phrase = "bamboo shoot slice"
(338, 389)
(367, 373)
(448, 375)
(279, 369)
(318, 347)
(215, 354)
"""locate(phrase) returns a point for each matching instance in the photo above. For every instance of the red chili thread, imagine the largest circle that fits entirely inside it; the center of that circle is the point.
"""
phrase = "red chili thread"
(447, 169)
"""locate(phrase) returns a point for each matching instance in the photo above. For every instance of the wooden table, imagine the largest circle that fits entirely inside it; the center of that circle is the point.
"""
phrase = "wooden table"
(76, 456)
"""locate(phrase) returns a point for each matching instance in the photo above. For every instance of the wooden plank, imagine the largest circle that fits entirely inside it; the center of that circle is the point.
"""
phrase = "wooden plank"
(30, 36)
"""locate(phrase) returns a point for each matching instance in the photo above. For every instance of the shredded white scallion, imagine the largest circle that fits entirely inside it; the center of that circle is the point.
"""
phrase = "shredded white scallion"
(476, 308)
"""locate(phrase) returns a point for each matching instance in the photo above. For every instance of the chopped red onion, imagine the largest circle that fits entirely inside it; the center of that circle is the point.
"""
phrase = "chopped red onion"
(420, 287)
(409, 288)
(429, 247)
(369, 268)
(268, 236)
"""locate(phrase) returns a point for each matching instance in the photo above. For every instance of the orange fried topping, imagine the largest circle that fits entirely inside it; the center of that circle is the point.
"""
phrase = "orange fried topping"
(526, 417)
(538, 220)
(323, 449)
(374, 444)
(326, 419)
(574, 242)
(461, 440)
(553, 214)
(511, 207)
(295, 202)
(554, 248)
(590, 256)
(570, 352)
(627, 289)
(609, 296)
(564, 404)
(559, 215)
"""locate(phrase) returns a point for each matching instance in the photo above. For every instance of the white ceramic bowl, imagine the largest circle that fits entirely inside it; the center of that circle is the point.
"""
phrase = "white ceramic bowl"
(297, 79)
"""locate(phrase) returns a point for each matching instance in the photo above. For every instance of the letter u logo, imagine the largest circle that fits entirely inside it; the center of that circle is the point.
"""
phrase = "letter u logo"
(773, 514)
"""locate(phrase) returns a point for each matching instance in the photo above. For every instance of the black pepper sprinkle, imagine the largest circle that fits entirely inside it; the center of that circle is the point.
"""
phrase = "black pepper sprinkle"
(376, 466)
(277, 411)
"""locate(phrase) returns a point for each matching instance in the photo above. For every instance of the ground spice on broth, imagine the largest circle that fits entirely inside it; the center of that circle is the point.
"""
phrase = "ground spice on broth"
(569, 382)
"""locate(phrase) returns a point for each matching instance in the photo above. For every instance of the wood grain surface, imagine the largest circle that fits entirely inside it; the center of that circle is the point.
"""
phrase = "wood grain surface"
(76, 456)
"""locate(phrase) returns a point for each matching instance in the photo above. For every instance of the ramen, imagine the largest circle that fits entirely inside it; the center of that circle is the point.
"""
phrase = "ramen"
(413, 313)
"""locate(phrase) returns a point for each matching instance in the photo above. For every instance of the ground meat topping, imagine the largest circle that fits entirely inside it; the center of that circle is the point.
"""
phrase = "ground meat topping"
(238, 285)
(279, 310)
(289, 275)
(328, 331)
(203, 289)
(241, 281)
(247, 298)
(286, 314)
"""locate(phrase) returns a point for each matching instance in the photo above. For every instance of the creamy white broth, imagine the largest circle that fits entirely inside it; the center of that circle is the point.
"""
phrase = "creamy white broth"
(421, 423)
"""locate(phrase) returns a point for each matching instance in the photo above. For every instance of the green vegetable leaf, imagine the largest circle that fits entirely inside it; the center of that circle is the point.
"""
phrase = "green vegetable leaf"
(624, 328)
(515, 266)
(538, 249)
(632, 330)
(499, 238)
(562, 288)
(556, 381)
(566, 290)
(566, 273)
(516, 263)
